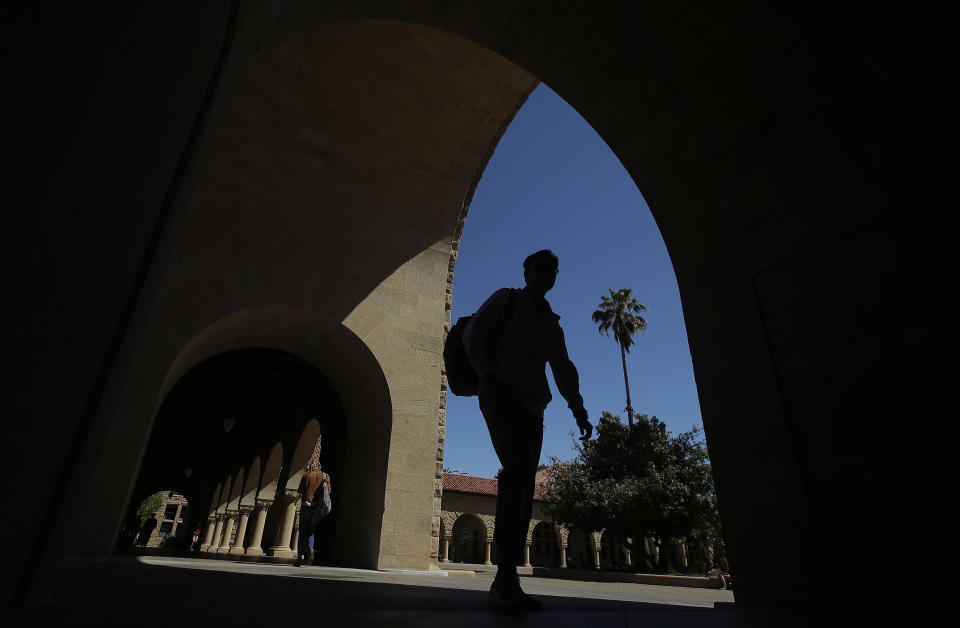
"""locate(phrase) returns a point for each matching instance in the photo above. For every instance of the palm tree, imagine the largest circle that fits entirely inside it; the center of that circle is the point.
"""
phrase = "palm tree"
(620, 312)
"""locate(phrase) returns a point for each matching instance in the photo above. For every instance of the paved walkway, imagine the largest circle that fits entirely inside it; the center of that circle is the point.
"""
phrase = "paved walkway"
(184, 591)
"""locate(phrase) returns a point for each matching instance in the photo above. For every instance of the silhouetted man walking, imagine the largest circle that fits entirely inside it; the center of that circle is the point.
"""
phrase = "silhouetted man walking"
(509, 342)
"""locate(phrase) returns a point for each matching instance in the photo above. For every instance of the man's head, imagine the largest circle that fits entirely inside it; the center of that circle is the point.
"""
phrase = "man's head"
(540, 271)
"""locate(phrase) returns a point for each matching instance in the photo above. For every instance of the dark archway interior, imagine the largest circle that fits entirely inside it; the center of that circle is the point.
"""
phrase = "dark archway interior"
(230, 409)
(468, 542)
(246, 386)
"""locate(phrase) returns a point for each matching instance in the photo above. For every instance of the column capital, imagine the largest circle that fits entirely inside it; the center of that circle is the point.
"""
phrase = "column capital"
(220, 516)
(291, 493)
(233, 513)
(263, 504)
(245, 509)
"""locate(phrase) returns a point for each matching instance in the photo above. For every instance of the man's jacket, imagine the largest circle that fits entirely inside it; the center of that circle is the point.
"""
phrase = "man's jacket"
(530, 337)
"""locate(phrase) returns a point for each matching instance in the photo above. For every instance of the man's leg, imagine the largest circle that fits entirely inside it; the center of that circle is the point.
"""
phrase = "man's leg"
(505, 420)
(305, 522)
(534, 430)
(517, 436)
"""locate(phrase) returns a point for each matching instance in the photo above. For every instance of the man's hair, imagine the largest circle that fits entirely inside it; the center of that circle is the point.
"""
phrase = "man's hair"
(312, 465)
(543, 255)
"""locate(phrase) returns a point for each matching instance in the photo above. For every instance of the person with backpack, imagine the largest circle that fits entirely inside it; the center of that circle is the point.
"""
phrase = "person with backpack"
(315, 504)
(508, 343)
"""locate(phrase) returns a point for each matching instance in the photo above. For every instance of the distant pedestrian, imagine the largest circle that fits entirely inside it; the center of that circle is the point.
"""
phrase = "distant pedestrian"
(195, 538)
(313, 484)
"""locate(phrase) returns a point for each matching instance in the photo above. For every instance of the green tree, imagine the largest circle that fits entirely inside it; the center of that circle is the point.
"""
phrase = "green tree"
(621, 313)
(639, 481)
(151, 505)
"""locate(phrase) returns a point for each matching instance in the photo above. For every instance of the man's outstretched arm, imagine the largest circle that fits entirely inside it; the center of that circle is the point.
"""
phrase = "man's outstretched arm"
(568, 383)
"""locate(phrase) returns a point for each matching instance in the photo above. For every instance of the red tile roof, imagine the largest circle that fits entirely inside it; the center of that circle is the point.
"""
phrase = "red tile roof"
(461, 483)
(469, 484)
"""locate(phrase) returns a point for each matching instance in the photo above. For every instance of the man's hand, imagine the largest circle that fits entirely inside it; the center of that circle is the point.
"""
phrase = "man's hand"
(583, 422)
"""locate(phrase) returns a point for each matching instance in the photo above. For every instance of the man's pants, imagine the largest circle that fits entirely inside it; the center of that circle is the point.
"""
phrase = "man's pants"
(309, 520)
(517, 436)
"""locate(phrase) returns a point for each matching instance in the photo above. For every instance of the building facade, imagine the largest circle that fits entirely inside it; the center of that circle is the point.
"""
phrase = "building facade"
(468, 517)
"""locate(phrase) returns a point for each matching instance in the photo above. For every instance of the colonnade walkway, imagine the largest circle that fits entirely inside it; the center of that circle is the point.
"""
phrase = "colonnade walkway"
(156, 590)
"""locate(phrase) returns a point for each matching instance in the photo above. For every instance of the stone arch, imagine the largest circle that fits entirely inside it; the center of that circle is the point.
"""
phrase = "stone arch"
(215, 499)
(305, 447)
(448, 518)
(237, 491)
(611, 550)
(271, 473)
(225, 495)
(579, 549)
(251, 488)
(544, 545)
(469, 536)
(355, 375)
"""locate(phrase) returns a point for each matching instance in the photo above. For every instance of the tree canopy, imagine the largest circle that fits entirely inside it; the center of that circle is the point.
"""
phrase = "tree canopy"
(638, 481)
(151, 505)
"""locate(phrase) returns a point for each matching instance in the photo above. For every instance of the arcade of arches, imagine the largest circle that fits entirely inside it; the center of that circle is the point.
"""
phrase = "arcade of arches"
(192, 179)
(240, 518)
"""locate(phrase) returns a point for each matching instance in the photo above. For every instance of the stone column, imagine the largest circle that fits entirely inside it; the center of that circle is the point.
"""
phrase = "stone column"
(446, 549)
(208, 535)
(237, 547)
(489, 544)
(596, 555)
(563, 556)
(288, 502)
(526, 555)
(228, 522)
(295, 543)
(626, 552)
(683, 555)
(261, 508)
(217, 534)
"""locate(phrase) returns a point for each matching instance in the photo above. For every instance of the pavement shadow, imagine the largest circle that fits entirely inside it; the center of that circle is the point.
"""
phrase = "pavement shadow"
(126, 591)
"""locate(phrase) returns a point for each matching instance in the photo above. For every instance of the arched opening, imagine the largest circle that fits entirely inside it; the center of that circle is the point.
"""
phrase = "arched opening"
(612, 555)
(161, 521)
(227, 412)
(468, 542)
(579, 550)
(532, 198)
(545, 551)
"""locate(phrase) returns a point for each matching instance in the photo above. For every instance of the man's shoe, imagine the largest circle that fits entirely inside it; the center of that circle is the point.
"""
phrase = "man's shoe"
(296, 563)
(508, 595)
(531, 603)
(505, 598)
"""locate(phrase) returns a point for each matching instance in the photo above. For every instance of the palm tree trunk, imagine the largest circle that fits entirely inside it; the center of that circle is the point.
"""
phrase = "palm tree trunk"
(626, 384)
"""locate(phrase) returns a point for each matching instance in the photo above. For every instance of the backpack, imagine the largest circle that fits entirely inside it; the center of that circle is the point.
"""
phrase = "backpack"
(321, 497)
(462, 380)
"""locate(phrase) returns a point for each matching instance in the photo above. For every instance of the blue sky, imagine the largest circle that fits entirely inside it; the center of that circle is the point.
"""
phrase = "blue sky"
(554, 184)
